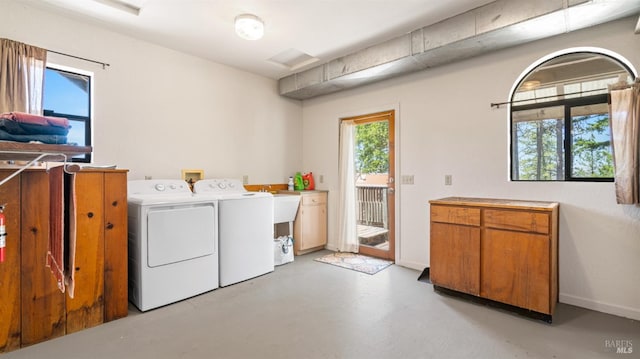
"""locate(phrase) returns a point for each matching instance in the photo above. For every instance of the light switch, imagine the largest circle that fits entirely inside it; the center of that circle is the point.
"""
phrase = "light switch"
(448, 180)
(406, 179)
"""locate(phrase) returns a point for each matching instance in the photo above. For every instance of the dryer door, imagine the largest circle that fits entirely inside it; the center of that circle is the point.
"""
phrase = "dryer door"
(180, 232)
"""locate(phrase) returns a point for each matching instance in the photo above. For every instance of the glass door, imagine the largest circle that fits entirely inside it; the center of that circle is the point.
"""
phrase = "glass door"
(375, 184)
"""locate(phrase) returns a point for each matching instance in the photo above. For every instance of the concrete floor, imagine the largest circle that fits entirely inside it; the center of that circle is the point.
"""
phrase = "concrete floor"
(308, 309)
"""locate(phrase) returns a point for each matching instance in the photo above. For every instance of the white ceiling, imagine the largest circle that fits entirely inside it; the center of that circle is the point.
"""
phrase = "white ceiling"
(325, 29)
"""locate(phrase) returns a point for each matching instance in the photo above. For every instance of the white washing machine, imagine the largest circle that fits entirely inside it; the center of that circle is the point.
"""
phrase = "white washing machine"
(173, 243)
(245, 229)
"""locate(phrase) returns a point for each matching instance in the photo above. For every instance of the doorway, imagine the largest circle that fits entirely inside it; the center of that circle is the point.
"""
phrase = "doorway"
(374, 183)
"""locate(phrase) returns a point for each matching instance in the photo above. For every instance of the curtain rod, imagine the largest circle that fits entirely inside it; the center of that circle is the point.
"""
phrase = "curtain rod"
(617, 86)
(104, 64)
(497, 105)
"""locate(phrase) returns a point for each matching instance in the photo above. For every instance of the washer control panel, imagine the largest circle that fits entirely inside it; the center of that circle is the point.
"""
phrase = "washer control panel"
(168, 186)
(219, 185)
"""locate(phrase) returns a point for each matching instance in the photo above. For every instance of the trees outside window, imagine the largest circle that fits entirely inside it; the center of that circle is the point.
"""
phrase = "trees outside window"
(566, 142)
(560, 119)
(372, 148)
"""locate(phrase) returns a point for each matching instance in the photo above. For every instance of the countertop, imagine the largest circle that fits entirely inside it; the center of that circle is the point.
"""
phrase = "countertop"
(302, 191)
(495, 202)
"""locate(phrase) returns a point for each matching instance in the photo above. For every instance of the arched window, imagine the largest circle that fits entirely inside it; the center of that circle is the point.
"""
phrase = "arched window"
(560, 117)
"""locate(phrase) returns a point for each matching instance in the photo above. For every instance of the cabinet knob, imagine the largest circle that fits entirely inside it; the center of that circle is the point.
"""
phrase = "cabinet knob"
(114, 203)
(109, 225)
(90, 214)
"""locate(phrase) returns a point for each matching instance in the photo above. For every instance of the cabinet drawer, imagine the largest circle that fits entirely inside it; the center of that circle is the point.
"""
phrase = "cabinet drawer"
(517, 220)
(457, 215)
(313, 199)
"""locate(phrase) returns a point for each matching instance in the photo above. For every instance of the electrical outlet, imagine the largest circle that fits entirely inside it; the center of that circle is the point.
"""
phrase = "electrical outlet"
(448, 180)
(406, 179)
(245, 179)
(321, 178)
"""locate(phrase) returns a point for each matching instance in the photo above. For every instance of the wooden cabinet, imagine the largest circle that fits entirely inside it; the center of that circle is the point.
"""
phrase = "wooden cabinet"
(116, 275)
(43, 305)
(10, 295)
(502, 250)
(31, 301)
(101, 250)
(310, 226)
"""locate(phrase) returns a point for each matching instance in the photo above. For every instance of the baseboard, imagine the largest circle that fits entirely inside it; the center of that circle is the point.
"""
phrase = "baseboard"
(331, 248)
(412, 265)
(618, 310)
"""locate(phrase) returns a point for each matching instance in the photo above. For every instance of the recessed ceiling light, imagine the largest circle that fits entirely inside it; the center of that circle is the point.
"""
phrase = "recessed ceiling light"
(249, 27)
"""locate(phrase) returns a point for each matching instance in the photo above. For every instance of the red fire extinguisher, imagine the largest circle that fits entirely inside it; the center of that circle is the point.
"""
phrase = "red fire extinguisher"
(3, 233)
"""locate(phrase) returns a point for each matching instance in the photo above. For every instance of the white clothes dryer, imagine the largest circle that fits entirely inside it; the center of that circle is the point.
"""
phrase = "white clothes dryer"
(173, 243)
(245, 229)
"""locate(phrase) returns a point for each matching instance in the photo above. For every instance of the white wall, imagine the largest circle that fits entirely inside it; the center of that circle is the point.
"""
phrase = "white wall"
(446, 126)
(158, 111)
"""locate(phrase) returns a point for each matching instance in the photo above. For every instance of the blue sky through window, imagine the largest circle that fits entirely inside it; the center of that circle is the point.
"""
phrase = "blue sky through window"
(66, 93)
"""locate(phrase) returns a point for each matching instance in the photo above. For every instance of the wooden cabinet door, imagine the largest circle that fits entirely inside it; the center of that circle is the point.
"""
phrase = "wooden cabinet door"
(86, 308)
(455, 257)
(515, 269)
(116, 301)
(10, 268)
(314, 226)
(43, 309)
(310, 226)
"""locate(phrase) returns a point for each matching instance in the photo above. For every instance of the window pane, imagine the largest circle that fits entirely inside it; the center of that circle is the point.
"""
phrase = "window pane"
(66, 93)
(546, 94)
(591, 142)
(372, 147)
(538, 144)
(77, 132)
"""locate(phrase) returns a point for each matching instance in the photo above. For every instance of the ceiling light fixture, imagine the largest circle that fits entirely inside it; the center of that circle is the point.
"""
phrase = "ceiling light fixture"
(249, 27)
(530, 85)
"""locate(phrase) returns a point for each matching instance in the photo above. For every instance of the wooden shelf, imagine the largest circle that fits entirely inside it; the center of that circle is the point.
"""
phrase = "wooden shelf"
(19, 151)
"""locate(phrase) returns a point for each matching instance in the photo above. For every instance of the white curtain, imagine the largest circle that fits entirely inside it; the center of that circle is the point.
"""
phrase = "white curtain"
(347, 228)
(21, 77)
(625, 132)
